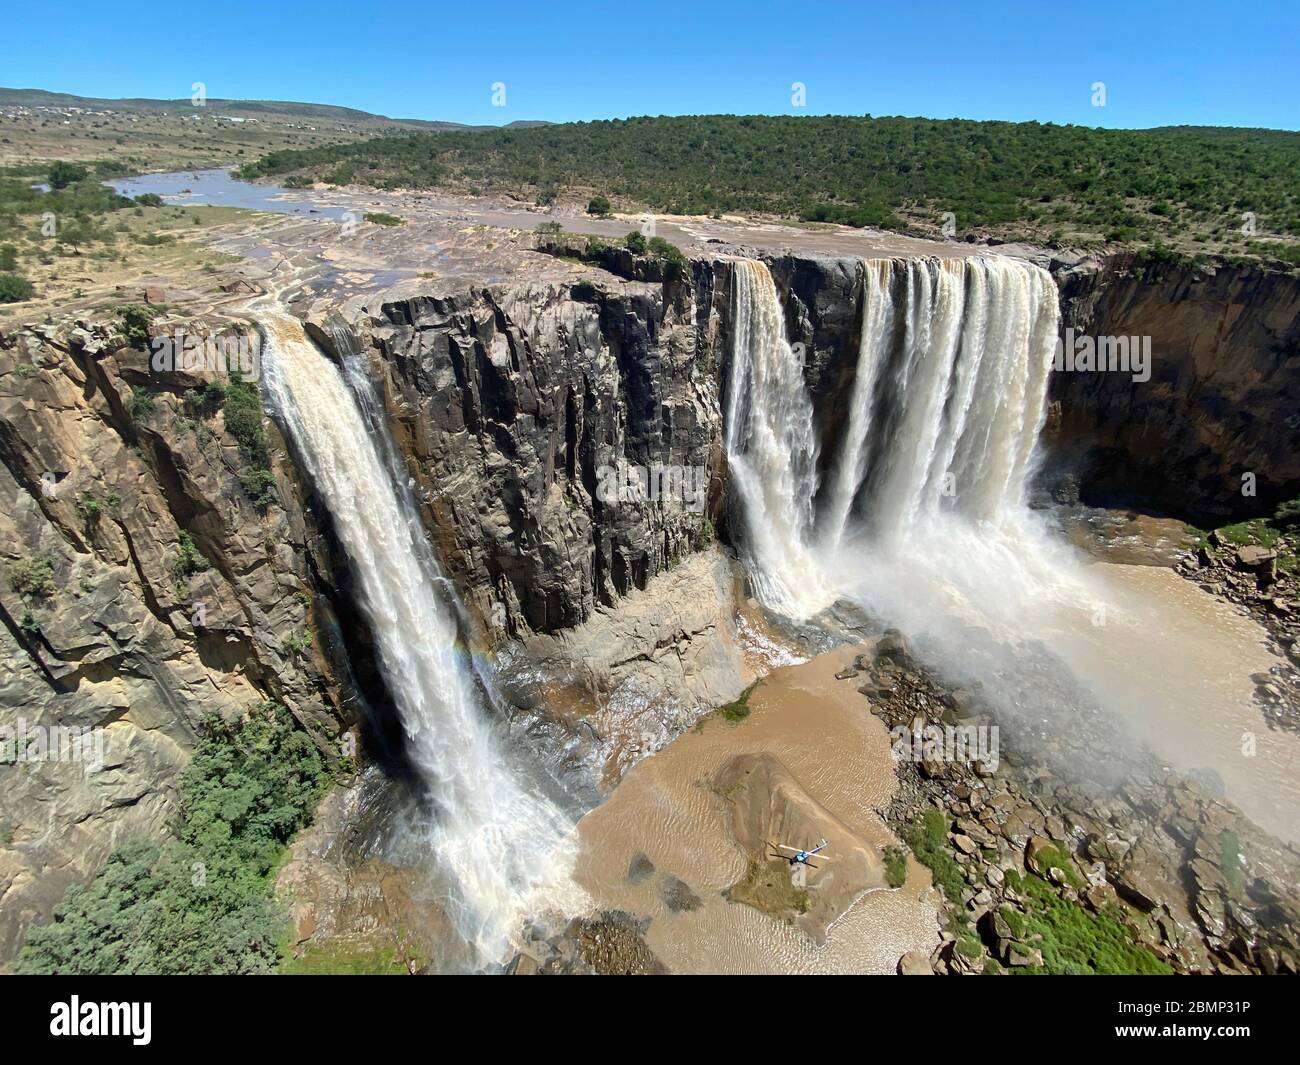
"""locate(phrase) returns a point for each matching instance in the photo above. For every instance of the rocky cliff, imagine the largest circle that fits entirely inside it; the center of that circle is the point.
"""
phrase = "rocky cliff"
(140, 591)
(1223, 399)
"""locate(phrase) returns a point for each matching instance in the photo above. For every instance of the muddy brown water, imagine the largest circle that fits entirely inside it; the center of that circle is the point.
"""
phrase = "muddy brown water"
(665, 808)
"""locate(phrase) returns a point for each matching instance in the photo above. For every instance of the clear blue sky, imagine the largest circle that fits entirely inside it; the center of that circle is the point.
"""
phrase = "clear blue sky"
(1163, 63)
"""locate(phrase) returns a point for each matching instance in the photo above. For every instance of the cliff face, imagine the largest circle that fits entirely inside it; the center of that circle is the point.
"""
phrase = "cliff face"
(1223, 399)
(105, 627)
(528, 415)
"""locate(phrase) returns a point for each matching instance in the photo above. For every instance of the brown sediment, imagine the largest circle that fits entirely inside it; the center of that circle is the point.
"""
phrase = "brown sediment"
(817, 749)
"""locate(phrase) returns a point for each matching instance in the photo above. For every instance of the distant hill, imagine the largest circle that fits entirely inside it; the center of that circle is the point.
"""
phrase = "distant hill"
(1207, 188)
(273, 109)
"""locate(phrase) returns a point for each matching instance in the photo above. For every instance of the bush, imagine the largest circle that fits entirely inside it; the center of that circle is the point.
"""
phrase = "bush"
(62, 174)
(32, 578)
(895, 866)
(135, 321)
(207, 399)
(189, 559)
(15, 289)
(635, 243)
(599, 206)
(381, 219)
(149, 199)
(203, 903)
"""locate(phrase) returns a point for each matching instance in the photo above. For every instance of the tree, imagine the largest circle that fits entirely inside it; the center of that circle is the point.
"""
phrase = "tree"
(599, 206)
(63, 174)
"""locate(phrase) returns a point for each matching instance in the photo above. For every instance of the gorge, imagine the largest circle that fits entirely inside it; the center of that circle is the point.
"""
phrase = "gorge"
(883, 446)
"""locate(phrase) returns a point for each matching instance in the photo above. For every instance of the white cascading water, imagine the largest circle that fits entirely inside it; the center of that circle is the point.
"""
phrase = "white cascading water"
(771, 448)
(499, 843)
(924, 519)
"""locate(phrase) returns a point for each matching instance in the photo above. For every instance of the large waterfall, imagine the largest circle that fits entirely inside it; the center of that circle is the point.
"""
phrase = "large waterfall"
(496, 840)
(948, 398)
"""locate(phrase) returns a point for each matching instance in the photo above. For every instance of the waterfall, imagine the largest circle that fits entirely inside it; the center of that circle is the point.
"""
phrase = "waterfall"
(771, 448)
(498, 842)
(961, 400)
(948, 398)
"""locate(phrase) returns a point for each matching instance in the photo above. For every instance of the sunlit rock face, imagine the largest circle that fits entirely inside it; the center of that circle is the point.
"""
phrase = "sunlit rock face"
(121, 639)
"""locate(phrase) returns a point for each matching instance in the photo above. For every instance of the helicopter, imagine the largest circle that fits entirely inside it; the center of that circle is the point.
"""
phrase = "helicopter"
(798, 856)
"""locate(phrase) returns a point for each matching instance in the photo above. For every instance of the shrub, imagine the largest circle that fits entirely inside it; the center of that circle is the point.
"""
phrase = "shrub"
(15, 289)
(32, 578)
(135, 321)
(62, 174)
(895, 867)
(207, 399)
(599, 206)
(381, 219)
(243, 410)
(149, 199)
(635, 242)
(203, 903)
(140, 404)
(189, 559)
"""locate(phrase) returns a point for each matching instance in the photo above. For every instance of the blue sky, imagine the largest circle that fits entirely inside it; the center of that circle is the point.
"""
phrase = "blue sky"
(1191, 62)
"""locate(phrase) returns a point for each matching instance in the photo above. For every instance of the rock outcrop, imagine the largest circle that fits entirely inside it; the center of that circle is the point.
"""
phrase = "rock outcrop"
(1222, 400)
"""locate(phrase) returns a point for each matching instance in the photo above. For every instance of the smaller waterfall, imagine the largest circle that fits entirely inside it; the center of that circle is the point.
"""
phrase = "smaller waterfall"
(498, 841)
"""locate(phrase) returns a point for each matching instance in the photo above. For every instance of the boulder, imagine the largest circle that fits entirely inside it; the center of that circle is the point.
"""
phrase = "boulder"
(915, 963)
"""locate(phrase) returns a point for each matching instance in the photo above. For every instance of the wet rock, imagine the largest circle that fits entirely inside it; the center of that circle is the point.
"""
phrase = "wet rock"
(678, 896)
(639, 869)
(915, 963)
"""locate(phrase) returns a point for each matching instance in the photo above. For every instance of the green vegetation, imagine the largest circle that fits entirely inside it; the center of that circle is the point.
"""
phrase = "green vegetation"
(15, 289)
(1071, 937)
(189, 559)
(345, 959)
(381, 219)
(200, 904)
(140, 404)
(738, 708)
(135, 320)
(1173, 184)
(895, 866)
(1267, 533)
(149, 199)
(1074, 940)
(298, 643)
(63, 174)
(599, 206)
(207, 399)
(1230, 859)
(32, 578)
